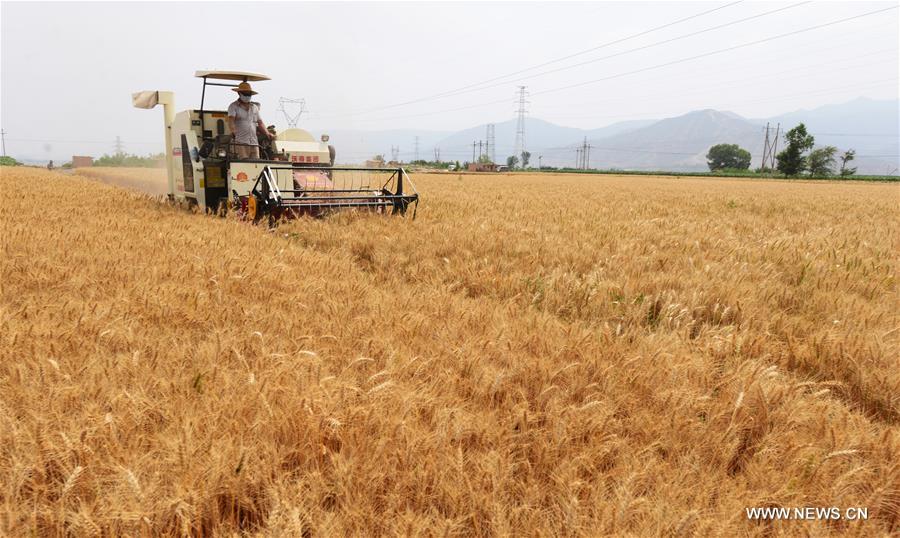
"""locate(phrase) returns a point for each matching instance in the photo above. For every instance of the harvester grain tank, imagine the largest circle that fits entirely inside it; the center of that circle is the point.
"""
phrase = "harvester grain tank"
(295, 174)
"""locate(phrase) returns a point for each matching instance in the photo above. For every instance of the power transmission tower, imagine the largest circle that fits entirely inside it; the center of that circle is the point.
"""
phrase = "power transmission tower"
(437, 155)
(540, 162)
(417, 149)
(765, 156)
(291, 119)
(491, 146)
(3, 137)
(583, 155)
(395, 153)
(775, 145)
(520, 123)
(770, 148)
(120, 146)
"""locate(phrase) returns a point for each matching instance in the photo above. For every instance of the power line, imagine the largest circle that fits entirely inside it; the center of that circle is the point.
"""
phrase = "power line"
(817, 50)
(76, 141)
(731, 83)
(544, 64)
(598, 47)
(719, 51)
(895, 135)
(650, 68)
(670, 40)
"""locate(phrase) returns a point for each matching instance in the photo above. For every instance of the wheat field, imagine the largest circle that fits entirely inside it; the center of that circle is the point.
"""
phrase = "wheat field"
(533, 355)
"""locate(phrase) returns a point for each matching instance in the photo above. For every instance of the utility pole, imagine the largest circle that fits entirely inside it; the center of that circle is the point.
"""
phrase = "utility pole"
(765, 157)
(120, 146)
(520, 123)
(540, 163)
(583, 160)
(417, 148)
(490, 145)
(474, 144)
(3, 137)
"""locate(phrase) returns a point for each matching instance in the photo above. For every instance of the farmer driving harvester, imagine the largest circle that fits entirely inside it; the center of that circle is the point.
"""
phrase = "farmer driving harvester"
(244, 121)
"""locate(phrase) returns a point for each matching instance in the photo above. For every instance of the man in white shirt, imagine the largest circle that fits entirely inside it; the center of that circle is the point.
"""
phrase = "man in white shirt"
(244, 121)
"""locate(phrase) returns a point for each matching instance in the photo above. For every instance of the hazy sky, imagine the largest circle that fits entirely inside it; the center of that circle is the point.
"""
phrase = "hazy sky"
(68, 69)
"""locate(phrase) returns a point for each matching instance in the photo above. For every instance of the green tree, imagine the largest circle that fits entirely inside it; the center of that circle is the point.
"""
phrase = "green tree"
(723, 156)
(848, 156)
(791, 160)
(821, 161)
(512, 161)
(484, 159)
(8, 161)
(526, 156)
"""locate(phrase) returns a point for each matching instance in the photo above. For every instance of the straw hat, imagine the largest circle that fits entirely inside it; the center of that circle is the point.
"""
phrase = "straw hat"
(244, 87)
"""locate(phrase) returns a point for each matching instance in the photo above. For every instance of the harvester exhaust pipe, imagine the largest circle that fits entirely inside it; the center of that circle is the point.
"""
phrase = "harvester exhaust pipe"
(149, 99)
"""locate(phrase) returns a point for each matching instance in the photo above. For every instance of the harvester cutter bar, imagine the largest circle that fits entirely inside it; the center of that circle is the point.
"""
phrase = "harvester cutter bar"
(391, 194)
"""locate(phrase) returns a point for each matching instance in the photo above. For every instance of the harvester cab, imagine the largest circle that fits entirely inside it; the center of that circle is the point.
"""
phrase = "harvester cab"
(295, 174)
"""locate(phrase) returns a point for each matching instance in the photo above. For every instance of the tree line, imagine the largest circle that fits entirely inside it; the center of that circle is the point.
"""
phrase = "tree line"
(125, 159)
(799, 156)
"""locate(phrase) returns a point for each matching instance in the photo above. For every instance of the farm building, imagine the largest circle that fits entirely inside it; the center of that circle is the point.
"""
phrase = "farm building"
(482, 167)
(81, 161)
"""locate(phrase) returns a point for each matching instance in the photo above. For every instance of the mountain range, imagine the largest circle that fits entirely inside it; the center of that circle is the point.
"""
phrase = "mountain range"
(871, 127)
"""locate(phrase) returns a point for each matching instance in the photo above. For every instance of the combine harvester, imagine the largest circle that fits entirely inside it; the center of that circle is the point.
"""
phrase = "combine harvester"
(294, 176)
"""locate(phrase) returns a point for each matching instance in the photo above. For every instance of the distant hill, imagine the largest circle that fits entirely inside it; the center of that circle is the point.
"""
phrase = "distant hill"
(617, 128)
(680, 143)
(676, 144)
(538, 133)
(355, 146)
